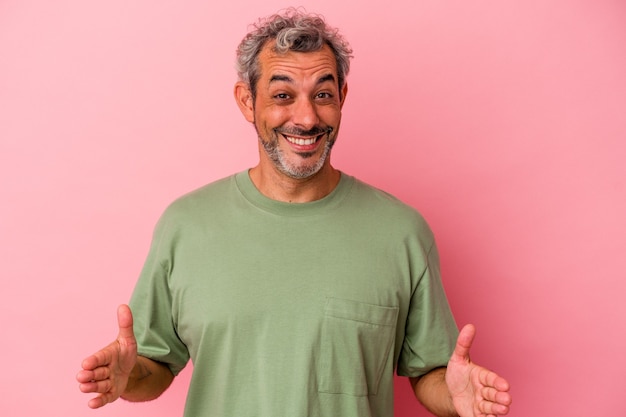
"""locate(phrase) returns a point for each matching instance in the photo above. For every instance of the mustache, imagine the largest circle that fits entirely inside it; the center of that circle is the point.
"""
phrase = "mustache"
(294, 131)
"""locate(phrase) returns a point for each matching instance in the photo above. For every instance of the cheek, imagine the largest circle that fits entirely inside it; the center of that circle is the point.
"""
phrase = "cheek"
(330, 116)
(271, 117)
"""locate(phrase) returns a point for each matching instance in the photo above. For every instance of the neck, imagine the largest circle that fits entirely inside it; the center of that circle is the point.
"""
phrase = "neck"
(277, 186)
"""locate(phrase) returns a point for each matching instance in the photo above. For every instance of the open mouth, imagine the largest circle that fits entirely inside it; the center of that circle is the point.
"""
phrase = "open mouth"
(303, 141)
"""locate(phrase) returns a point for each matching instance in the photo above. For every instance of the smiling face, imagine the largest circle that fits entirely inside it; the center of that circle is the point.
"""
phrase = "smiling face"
(296, 112)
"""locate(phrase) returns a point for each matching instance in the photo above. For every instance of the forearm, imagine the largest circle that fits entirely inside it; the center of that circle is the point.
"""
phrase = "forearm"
(147, 381)
(431, 390)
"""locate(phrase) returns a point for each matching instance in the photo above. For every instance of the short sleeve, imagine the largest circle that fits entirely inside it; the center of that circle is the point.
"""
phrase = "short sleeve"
(431, 332)
(151, 304)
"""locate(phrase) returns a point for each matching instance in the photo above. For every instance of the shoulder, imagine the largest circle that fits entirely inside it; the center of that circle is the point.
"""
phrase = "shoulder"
(196, 204)
(375, 198)
(387, 210)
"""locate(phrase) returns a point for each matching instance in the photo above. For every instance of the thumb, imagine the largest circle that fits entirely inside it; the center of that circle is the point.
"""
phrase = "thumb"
(125, 323)
(464, 343)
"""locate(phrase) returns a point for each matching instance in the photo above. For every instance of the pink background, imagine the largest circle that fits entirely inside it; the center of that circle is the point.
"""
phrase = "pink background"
(502, 122)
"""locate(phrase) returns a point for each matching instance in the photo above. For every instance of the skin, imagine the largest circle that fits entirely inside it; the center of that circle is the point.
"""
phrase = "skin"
(463, 388)
(117, 371)
(296, 92)
(298, 98)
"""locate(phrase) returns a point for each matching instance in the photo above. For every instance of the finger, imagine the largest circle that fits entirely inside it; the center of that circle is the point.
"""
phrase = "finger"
(101, 400)
(96, 402)
(491, 379)
(101, 387)
(100, 374)
(495, 396)
(125, 322)
(464, 343)
(102, 357)
(494, 409)
(85, 376)
(97, 374)
(493, 402)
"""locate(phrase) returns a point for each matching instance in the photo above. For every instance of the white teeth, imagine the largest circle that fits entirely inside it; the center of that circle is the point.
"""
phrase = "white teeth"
(299, 141)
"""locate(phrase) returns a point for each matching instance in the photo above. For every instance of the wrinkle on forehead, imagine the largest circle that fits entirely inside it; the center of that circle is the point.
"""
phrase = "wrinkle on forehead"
(308, 63)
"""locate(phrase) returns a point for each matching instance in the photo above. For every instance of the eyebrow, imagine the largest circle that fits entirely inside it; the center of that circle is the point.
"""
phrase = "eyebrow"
(287, 79)
(327, 77)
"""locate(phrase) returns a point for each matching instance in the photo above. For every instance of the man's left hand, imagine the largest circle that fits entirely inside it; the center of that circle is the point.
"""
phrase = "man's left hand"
(475, 391)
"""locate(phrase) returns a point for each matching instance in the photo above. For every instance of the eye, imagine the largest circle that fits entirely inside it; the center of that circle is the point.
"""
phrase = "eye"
(324, 95)
(282, 96)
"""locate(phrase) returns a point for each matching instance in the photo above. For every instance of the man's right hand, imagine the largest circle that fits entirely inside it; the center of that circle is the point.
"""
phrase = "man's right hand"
(106, 372)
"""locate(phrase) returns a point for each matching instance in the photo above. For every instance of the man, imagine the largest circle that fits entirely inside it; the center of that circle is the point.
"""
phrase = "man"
(294, 288)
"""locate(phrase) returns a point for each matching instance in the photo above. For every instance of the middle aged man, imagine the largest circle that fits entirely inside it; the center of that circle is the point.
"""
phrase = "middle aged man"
(295, 289)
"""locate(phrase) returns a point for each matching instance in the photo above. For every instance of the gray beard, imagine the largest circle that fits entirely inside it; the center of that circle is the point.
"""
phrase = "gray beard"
(296, 172)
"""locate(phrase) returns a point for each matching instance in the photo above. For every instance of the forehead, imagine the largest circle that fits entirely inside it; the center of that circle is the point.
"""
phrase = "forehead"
(302, 64)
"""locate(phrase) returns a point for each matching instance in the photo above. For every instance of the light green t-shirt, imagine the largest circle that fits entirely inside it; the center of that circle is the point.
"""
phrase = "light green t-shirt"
(292, 309)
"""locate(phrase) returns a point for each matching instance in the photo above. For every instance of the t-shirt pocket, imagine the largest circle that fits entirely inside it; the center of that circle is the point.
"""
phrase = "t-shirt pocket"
(356, 343)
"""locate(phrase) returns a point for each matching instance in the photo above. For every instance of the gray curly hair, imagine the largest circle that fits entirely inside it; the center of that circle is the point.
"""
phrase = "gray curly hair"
(293, 30)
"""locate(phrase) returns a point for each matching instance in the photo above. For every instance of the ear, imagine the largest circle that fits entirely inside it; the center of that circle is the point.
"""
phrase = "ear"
(243, 97)
(344, 93)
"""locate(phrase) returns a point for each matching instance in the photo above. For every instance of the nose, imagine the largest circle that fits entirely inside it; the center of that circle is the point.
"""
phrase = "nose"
(304, 114)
